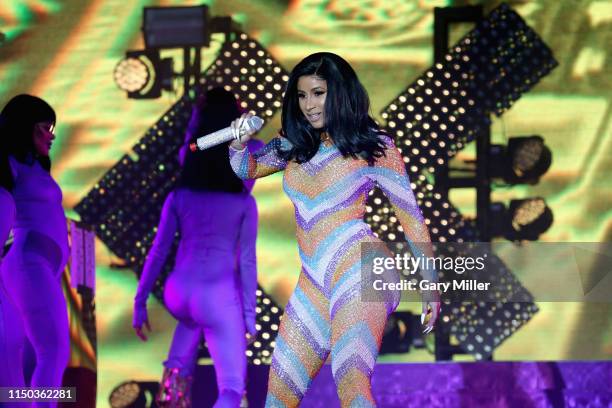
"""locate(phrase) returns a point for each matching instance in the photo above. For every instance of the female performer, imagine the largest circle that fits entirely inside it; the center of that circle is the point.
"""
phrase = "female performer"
(207, 292)
(31, 271)
(333, 154)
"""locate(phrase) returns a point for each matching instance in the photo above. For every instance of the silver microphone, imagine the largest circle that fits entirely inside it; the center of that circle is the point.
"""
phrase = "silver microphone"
(252, 124)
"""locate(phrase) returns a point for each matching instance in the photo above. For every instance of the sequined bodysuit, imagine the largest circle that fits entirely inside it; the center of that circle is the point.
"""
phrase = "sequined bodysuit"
(326, 313)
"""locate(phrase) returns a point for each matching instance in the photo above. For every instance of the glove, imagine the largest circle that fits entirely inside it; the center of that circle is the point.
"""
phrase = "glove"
(140, 315)
(249, 321)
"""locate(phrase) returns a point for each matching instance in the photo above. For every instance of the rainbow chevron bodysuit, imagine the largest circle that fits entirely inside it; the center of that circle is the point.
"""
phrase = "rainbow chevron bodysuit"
(325, 313)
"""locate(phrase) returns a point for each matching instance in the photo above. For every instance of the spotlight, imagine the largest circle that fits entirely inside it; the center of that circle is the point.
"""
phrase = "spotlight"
(523, 220)
(132, 394)
(131, 74)
(524, 161)
(143, 74)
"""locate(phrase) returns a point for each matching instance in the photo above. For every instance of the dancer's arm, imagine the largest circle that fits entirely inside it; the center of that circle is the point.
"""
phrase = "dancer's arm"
(190, 134)
(7, 206)
(390, 175)
(168, 225)
(248, 264)
(7, 209)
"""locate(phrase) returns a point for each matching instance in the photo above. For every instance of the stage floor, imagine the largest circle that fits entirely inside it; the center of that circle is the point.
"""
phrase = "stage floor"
(448, 384)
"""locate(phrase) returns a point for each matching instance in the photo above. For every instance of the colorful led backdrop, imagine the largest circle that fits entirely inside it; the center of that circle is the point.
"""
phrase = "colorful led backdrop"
(65, 51)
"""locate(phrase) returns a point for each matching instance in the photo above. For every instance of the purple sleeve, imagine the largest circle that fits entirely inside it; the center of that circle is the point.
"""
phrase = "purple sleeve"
(168, 225)
(248, 263)
(7, 209)
(249, 165)
(13, 164)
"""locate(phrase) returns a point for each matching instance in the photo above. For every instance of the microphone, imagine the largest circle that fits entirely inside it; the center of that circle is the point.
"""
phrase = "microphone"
(252, 124)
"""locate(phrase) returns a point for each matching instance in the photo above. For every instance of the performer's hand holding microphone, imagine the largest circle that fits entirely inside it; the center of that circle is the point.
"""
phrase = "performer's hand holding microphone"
(240, 131)
(244, 127)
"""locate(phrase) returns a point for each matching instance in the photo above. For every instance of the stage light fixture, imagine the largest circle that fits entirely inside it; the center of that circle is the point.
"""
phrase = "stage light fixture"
(143, 74)
(132, 74)
(523, 220)
(133, 394)
(127, 394)
(523, 161)
(176, 27)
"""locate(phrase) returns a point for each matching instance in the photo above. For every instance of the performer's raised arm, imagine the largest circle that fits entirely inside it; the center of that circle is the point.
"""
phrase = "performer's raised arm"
(262, 163)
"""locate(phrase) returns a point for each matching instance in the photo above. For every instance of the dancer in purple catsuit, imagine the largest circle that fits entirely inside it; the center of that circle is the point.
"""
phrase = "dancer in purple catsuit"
(31, 271)
(210, 292)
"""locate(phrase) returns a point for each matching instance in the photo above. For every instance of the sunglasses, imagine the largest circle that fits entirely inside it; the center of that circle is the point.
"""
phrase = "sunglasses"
(46, 128)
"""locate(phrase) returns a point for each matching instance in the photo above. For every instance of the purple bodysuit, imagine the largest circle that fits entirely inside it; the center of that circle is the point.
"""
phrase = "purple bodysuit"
(208, 291)
(32, 269)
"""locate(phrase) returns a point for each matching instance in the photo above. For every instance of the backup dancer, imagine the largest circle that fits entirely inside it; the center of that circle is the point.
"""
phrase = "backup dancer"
(31, 271)
(211, 290)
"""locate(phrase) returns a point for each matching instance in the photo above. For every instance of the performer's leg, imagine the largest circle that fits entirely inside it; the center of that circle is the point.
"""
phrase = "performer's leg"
(357, 330)
(356, 333)
(184, 348)
(45, 318)
(175, 389)
(48, 332)
(216, 307)
(32, 276)
(302, 345)
(226, 341)
(12, 339)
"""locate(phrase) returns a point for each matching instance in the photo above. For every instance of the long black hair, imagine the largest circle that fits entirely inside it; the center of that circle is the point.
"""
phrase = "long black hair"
(210, 169)
(17, 121)
(347, 118)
